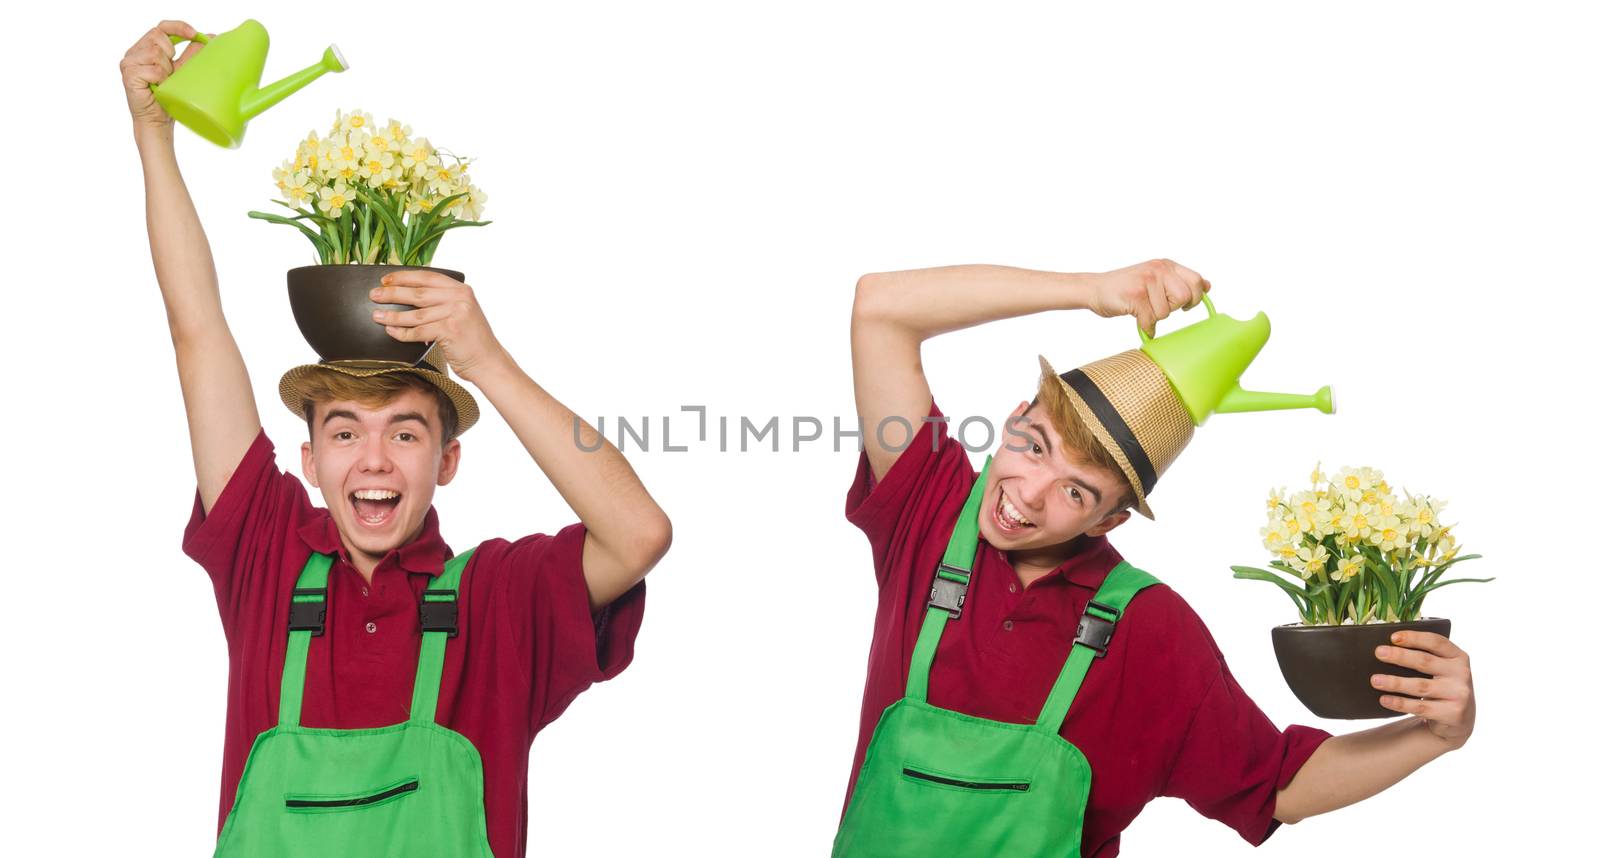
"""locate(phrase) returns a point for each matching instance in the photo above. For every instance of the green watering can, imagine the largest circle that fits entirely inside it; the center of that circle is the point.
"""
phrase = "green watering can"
(1204, 361)
(219, 89)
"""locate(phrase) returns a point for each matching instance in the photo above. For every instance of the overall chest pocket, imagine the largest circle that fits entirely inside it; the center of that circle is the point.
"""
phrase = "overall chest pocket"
(965, 783)
(330, 803)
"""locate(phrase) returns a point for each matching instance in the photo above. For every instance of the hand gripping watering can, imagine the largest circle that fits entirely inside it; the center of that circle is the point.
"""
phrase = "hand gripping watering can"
(1204, 361)
(219, 88)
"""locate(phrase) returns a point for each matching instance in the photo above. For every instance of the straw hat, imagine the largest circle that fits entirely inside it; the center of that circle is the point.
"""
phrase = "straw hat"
(1127, 402)
(435, 369)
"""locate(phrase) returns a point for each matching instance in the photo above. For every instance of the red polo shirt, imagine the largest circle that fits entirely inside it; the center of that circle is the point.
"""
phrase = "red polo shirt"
(527, 645)
(1160, 714)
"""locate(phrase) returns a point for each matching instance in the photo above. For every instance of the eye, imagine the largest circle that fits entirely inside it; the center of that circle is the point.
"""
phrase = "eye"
(1037, 449)
(408, 436)
(340, 434)
(1076, 496)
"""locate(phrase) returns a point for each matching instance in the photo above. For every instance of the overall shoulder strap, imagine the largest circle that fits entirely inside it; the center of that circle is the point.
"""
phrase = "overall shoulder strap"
(949, 590)
(1099, 620)
(308, 609)
(438, 617)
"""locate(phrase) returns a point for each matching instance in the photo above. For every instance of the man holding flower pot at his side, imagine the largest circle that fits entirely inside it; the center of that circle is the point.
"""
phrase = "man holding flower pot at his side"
(383, 691)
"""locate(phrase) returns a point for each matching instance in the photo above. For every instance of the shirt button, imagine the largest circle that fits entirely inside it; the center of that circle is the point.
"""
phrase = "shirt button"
(363, 591)
(1006, 625)
(372, 627)
(1013, 586)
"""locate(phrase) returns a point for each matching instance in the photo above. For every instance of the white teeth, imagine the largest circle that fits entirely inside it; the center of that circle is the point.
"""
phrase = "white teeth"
(376, 494)
(1011, 513)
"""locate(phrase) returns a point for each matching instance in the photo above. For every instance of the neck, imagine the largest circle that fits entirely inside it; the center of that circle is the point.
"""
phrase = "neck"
(1034, 563)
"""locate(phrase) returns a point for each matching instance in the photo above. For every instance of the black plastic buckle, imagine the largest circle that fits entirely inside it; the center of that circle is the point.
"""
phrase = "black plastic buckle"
(1095, 632)
(309, 616)
(438, 616)
(946, 594)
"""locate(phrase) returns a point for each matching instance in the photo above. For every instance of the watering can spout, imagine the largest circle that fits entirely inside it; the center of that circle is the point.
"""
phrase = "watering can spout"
(1238, 399)
(259, 100)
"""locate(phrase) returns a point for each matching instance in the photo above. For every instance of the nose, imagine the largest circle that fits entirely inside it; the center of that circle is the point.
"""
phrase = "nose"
(1033, 488)
(375, 454)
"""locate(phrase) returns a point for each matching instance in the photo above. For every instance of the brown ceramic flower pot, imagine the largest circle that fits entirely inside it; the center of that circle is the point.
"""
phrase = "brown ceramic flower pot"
(1330, 668)
(332, 308)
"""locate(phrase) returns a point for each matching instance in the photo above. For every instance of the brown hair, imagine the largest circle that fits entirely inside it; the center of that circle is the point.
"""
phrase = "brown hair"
(372, 391)
(1077, 436)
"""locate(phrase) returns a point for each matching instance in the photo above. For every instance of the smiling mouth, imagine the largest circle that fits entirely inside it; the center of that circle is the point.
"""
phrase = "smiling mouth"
(374, 507)
(1007, 517)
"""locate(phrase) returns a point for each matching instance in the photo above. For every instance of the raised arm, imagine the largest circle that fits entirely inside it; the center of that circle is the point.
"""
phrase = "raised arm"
(627, 533)
(895, 312)
(216, 389)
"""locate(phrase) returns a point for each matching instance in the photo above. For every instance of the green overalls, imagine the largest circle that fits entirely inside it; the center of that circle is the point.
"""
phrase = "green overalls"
(937, 782)
(409, 789)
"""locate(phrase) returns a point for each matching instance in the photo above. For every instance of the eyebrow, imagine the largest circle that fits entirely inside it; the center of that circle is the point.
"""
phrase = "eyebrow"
(1045, 436)
(393, 418)
(1092, 490)
(1048, 450)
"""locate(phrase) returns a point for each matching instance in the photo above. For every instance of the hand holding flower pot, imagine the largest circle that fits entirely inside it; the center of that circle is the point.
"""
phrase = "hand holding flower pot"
(1350, 551)
(446, 313)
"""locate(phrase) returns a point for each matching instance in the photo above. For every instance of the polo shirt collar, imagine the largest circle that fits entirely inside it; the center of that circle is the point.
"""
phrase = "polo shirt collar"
(427, 553)
(1091, 561)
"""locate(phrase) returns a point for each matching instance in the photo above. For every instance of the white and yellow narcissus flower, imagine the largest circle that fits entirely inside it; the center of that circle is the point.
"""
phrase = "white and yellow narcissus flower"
(396, 133)
(1349, 567)
(441, 177)
(355, 120)
(1310, 561)
(376, 167)
(333, 200)
(472, 204)
(1276, 535)
(298, 189)
(419, 203)
(1312, 510)
(344, 155)
(416, 156)
(1387, 533)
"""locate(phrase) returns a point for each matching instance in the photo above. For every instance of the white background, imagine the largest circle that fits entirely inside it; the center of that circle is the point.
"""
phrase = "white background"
(683, 196)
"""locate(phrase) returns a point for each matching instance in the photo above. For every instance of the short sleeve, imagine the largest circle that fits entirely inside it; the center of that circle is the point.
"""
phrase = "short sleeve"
(897, 512)
(569, 647)
(237, 542)
(1233, 760)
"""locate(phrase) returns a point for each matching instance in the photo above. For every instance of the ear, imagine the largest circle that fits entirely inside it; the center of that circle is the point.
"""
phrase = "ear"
(449, 461)
(1021, 408)
(1109, 523)
(308, 463)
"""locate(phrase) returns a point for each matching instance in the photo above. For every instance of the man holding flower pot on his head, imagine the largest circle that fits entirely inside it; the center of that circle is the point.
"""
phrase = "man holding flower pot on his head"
(1028, 691)
(383, 691)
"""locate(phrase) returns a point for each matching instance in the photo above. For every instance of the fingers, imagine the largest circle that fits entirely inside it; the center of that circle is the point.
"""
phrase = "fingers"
(414, 277)
(1430, 709)
(418, 334)
(149, 60)
(1183, 286)
(411, 318)
(1419, 660)
(1414, 686)
(175, 28)
(416, 296)
(1435, 643)
(1140, 304)
(1156, 297)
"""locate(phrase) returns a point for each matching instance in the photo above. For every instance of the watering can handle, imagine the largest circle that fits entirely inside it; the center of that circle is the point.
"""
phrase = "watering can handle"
(1210, 311)
(202, 38)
